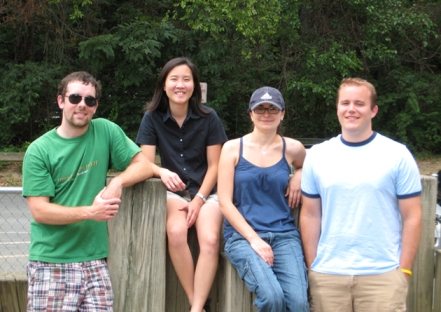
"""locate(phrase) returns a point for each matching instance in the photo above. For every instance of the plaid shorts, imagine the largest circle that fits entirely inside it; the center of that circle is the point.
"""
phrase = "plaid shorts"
(79, 286)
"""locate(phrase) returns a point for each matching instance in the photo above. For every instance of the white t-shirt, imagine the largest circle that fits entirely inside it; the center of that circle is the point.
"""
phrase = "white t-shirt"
(359, 185)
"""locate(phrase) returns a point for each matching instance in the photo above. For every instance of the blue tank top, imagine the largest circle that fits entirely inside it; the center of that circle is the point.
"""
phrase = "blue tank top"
(259, 195)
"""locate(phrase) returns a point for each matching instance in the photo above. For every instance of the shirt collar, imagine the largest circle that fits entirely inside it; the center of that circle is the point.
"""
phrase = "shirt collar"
(190, 114)
(374, 134)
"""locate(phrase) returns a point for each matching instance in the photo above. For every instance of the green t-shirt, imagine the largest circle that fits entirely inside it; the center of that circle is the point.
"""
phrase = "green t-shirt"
(71, 172)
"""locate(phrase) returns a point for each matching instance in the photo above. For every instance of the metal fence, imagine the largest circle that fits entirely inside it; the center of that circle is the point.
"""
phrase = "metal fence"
(14, 230)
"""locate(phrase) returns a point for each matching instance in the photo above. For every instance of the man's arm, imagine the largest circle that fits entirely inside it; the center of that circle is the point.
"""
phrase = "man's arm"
(310, 227)
(140, 169)
(410, 209)
(43, 211)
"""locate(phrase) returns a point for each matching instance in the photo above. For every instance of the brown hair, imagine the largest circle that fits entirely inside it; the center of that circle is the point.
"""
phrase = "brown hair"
(82, 76)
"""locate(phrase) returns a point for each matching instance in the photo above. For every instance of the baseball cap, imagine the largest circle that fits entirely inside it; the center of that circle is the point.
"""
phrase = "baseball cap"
(267, 95)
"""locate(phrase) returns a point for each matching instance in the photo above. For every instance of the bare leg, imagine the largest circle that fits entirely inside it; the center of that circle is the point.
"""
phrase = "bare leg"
(178, 248)
(208, 227)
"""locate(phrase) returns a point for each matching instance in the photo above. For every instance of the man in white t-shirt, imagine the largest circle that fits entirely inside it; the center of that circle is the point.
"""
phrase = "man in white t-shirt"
(361, 215)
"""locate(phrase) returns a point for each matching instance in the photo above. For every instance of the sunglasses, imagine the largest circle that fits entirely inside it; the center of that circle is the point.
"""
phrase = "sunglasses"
(261, 110)
(76, 98)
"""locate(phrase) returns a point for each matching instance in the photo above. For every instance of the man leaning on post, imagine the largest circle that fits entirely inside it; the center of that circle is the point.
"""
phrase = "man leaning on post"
(64, 181)
(361, 215)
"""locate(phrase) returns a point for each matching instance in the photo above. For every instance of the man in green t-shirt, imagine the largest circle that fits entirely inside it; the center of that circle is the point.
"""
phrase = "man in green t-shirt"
(64, 181)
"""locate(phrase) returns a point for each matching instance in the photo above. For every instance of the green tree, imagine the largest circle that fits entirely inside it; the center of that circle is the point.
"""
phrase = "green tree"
(304, 48)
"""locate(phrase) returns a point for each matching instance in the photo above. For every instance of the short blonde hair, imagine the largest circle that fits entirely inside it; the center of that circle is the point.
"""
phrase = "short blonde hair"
(359, 82)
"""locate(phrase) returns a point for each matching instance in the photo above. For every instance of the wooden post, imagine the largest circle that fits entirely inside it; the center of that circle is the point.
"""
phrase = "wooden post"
(13, 292)
(437, 290)
(233, 294)
(137, 248)
(420, 293)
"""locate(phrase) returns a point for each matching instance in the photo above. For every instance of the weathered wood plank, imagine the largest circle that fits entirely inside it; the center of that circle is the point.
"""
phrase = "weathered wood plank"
(437, 289)
(137, 249)
(13, 292)
(233, 294)
(11, 157)
(420, 293)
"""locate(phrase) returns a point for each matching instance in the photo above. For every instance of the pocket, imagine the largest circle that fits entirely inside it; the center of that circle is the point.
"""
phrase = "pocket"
(246, 274)
(402, 277)
(232, 242)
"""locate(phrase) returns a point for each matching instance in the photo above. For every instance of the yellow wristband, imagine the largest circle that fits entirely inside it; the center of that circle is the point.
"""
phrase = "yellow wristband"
(406, 271)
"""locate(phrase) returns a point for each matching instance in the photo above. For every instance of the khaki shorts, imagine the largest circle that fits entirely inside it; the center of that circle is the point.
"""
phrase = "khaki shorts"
(360, 293)
(212, 198)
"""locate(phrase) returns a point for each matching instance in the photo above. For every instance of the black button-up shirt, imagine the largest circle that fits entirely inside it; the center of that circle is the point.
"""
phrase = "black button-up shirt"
(183, 149)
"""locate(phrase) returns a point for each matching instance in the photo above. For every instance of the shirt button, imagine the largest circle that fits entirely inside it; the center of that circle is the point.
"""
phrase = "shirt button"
(180, 140)
(182, 155)
(185, 169)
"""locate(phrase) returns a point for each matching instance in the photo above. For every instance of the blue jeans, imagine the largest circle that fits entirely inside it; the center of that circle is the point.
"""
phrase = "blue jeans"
(282, 287)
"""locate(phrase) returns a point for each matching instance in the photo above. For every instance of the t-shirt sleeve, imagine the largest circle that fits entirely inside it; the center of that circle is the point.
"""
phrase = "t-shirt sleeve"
(37, 180)
(217, 133)
(122, 149)
(408, 176)
(308, 184)
(147, 132)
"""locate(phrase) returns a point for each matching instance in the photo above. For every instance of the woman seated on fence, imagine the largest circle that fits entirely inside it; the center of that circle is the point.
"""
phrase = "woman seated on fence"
(255, 196)
(189, 137)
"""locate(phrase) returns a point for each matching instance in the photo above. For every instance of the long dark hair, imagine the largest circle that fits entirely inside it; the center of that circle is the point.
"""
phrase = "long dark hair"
(160, 99)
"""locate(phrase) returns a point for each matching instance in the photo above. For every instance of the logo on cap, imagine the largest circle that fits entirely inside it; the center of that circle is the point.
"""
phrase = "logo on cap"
(266, 96)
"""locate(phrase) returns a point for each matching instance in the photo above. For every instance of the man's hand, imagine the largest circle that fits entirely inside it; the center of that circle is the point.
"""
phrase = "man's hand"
(103, 209)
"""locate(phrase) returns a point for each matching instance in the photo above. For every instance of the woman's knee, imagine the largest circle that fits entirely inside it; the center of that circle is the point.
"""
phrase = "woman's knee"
(297, 301)
(209, 242)
(270, 299)
(176, 234)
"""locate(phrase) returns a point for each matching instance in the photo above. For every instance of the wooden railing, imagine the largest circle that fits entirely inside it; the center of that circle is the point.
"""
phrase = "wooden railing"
(11, 157)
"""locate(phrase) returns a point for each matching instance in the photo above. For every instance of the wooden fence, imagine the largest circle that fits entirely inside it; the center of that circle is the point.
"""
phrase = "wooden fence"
(144, 280)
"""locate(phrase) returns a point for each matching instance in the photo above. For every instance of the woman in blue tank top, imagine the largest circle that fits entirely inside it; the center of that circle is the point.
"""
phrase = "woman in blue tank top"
(256, 195)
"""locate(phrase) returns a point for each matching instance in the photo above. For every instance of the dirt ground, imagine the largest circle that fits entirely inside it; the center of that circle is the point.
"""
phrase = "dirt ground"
(10, 174)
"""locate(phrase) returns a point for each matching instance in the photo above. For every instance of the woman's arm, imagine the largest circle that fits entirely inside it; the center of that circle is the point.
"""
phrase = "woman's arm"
(193, 207)
(295, 155)
(227, 166)
(170, 179)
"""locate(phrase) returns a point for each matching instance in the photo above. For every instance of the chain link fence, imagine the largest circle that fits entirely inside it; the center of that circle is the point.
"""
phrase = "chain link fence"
(14, 230)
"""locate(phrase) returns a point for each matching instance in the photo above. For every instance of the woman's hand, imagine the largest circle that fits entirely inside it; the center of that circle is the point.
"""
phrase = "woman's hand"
(171, 180)
(263, 250)
(192, 208)
(293, 191)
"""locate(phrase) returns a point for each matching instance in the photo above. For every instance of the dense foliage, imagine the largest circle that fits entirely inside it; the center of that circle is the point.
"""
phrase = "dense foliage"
(304, 48)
